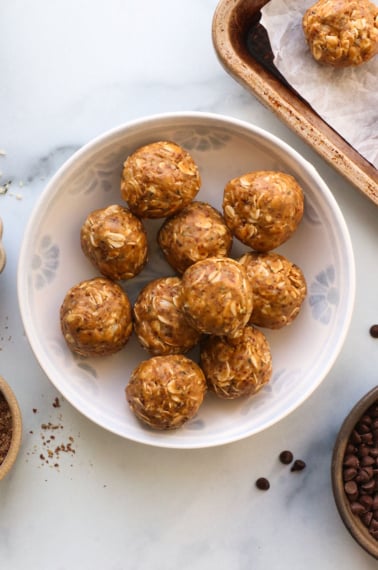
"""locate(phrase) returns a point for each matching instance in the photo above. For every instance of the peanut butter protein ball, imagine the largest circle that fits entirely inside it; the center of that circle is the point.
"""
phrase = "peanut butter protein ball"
(164, 392)
(216, 296)
(342, 33)
(159, 179)
(279, 289)
(263, 208)
(196, 232)
(115, 241)
(158, 323)
(236, 367)
(95, 317)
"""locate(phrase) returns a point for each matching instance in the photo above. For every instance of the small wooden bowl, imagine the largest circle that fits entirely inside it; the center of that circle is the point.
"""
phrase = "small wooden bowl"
(352, 522)
(15, 445)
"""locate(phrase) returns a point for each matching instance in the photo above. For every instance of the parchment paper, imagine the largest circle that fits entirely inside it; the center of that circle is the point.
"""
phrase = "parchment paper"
(347, 99)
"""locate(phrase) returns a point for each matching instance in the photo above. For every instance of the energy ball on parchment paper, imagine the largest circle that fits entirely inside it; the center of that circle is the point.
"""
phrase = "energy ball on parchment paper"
(158, 323)
(164, 392)
(236, 367)
(96, 317)
(342, 33)
(263, 208)
(159, 179)
(279, 288)
(196, 232)
(216, 296)
(115, 241)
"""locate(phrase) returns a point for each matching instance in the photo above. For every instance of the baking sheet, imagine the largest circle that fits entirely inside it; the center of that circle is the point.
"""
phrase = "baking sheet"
(243, 48)
(347, 98)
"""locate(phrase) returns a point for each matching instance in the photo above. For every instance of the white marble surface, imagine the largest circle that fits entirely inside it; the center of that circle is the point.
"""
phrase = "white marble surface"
(70, 70)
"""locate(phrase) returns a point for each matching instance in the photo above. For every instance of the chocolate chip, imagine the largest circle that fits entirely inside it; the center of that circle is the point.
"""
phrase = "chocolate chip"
(374, 331)
(358, 509)
(366, 518)
(367, 461)
(351, 461)
(349, 473)
(298, 465)
(360, 469)
(286, 457)
(351, 488)
(263, 484)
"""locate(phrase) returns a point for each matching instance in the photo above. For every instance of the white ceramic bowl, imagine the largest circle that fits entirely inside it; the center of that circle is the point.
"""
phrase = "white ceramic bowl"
(51, 262)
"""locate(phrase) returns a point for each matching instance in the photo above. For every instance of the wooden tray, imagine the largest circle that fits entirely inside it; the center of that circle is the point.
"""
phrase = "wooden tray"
(243, 48)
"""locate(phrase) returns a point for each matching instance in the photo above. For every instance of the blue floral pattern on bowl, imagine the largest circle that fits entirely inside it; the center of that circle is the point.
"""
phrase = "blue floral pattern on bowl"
(324, 296)
(45, 262)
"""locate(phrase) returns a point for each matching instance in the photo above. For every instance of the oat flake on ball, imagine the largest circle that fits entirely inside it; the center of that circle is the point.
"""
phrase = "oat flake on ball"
(95, 317)
(158, 323)
(159, 179)
(263, 208)
(165, 392)
(216, 296)
(236, 367)
(115, 241)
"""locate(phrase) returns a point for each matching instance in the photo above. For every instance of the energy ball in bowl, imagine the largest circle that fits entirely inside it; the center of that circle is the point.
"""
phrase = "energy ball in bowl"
(216, 296)
(263, 208)
(342, 33)
(236, 367)
(164, 392)
(158, 323)
(96, 317)
(196, 232)
(115, 241)
(159, 179)
(279, 288)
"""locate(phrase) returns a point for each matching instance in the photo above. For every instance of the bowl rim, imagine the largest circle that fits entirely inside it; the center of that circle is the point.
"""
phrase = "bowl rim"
(15, 445)
(353, 524)
(185, 118)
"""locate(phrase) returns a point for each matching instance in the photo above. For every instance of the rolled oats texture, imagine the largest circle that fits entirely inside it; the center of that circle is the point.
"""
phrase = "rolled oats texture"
(342, 33)
(159, 325)
(216, 296)
(236, 367)
(115, 241)
(96, 318)
(279, 288)
(263, 208)
(195, 233)
(159, 179)
(165, 392)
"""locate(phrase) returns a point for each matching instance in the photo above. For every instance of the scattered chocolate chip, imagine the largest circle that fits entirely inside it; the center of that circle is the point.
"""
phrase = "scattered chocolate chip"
(374, 331)
(286, 457)
(263, 484)
(298, 465)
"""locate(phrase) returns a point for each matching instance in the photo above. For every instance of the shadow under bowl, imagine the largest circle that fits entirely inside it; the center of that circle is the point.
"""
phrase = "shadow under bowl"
(351, 520)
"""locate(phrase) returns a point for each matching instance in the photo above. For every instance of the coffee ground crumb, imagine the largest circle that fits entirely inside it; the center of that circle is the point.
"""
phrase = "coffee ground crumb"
(6, 428)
